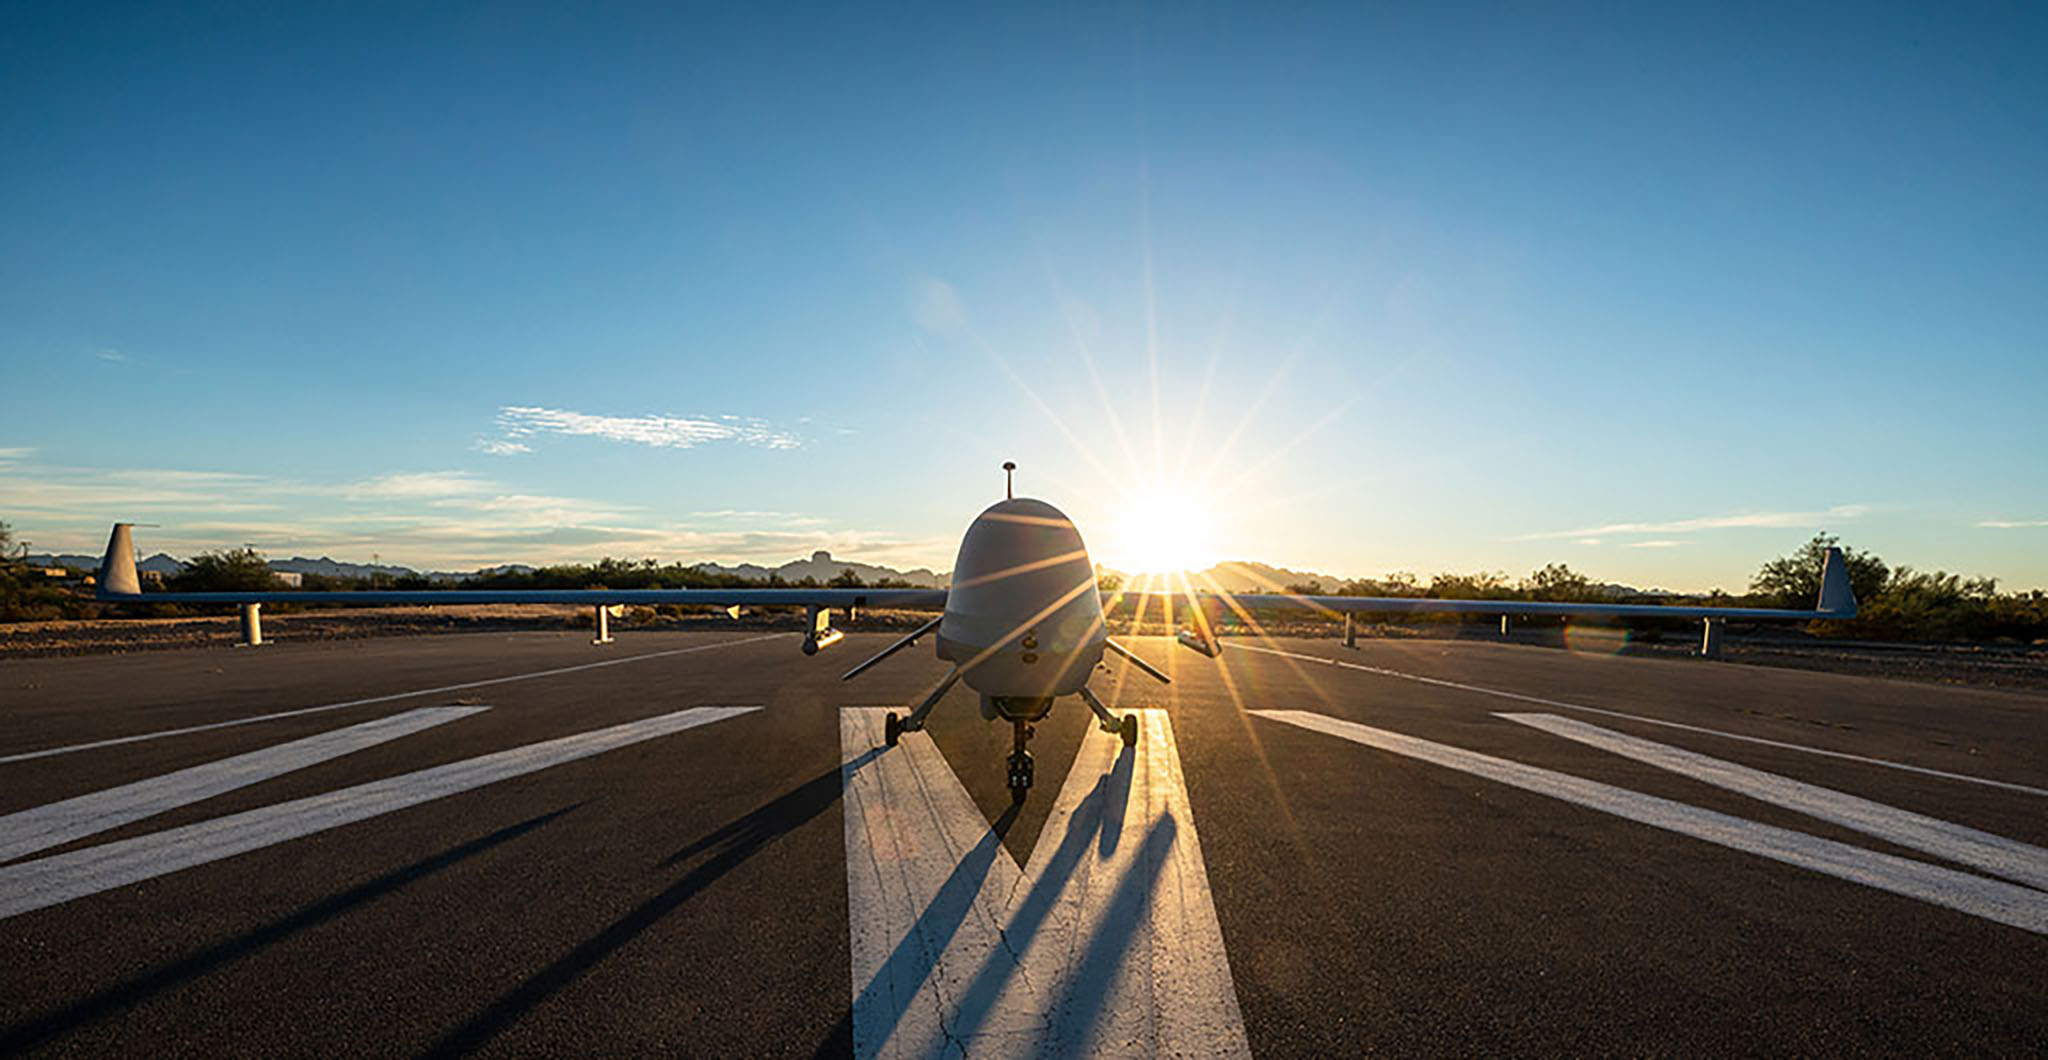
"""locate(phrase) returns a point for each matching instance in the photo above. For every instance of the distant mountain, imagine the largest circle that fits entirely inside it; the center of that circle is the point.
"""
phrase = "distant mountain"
(163, 563)
(1245, 576)
(821, 566)
(1618, 590)
(334, 568)
(75, 562)
(824, 568)
(502, 568)
(1236, 576)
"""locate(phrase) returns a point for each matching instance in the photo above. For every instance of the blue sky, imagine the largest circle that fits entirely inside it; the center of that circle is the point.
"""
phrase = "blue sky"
(1657, 293)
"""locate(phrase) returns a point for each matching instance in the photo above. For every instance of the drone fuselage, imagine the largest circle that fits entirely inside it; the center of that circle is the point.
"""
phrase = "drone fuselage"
(1023, 618)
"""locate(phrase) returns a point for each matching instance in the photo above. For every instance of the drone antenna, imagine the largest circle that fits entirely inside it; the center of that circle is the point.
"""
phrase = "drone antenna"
(1009, 480)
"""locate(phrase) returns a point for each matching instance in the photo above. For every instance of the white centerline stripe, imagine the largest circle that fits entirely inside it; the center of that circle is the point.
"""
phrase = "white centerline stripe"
(2006, 903)
(31, 885)
(2010, 858)
(58, 823)
(1106, 944)
(486, 682)
(1134, 951)
(1541, 701)
(926, 883)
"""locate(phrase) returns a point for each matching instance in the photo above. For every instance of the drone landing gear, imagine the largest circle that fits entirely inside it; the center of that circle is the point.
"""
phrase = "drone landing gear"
(1127, 728)
(894, 727)
(1020, 761)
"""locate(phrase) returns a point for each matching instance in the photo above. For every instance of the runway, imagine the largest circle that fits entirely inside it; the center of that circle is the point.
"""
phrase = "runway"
(696, 844)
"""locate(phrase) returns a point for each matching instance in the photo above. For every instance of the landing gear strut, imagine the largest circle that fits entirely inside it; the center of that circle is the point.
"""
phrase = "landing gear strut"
(1020, 761)
(894, 727)
(1127, 728)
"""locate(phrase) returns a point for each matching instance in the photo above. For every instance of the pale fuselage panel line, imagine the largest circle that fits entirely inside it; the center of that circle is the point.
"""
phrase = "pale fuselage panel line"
(1995, 900)
(1106, 943)
(30, 885)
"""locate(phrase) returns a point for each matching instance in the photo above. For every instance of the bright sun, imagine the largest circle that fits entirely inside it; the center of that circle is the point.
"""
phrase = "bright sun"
(1162, 531)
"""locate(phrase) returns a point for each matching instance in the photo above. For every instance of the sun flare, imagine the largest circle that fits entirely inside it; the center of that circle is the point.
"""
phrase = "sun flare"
(1160, 532)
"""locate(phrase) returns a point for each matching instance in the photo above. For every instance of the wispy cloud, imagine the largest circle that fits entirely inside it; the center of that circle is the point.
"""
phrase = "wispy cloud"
(420, 485)
(47, 491)
(442, 520)
(490, 505)
(116, 356)
(500, 446)
(2012, 524)
(1659, 543)
(461, 542)
(784, 518)
(1837, 513)
(662, 432)
(533, 509)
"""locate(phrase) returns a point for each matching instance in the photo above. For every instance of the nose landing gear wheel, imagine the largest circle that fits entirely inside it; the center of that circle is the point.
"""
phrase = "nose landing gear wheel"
(892, 729)
(1020, 761)
(1129, 730)
(1020, 776)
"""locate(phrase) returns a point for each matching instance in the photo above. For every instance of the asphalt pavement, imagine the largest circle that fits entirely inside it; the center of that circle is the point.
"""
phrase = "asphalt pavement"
(526, 844)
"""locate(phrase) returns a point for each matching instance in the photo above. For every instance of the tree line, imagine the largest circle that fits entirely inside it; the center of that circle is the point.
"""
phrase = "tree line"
(1896, 603)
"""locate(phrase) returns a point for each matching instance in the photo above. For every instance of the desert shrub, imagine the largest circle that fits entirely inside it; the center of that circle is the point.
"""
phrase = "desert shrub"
(1794, 581)
(233, 570)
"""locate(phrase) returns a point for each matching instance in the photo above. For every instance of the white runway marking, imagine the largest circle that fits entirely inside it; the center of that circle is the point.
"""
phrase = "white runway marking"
(2010, 858)
(1541, 701)
(1996, 900)
(60, 878)
(485, 683)
(58, 823)
(1106, 944)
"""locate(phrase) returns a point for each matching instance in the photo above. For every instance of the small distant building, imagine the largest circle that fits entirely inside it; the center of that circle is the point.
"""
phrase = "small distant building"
(149, 577)
(290, 579)
(52, 573)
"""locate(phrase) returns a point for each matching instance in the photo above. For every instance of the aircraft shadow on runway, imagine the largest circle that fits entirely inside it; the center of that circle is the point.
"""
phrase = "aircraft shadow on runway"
(734, 843)
(1098, 820)
(125, 995)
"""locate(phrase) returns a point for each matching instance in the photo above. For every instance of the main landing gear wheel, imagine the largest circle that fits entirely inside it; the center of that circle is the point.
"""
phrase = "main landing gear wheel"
(1129, 730)
(892, 729)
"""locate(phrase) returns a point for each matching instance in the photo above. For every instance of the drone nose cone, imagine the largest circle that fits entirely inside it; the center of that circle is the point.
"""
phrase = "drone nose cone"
(1023, 573)
(1018, 537)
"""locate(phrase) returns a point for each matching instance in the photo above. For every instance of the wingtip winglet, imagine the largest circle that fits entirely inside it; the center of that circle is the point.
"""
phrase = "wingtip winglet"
(118, 576)
(1837, 596)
